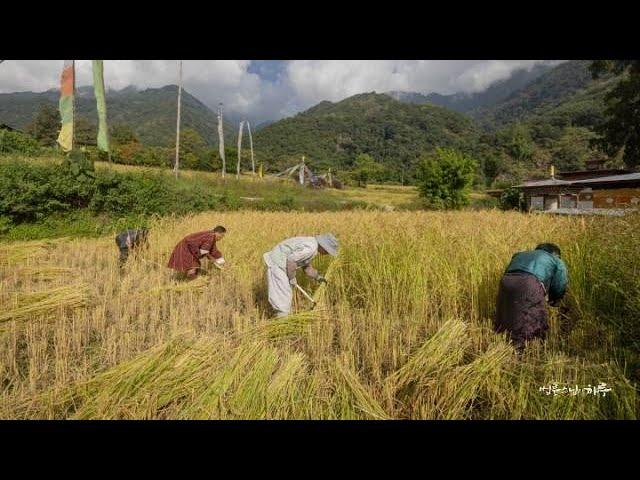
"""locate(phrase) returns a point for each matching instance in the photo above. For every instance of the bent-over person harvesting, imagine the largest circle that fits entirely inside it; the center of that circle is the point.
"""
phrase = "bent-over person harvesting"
(521, 308)
(186, 255)
(283, 262)
(129, 240)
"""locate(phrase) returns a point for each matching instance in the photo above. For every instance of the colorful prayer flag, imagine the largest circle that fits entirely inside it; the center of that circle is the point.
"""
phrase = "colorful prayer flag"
(101, 105)
(67, 89)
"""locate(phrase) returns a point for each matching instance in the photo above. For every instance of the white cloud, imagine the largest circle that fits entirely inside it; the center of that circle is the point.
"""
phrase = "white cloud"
(303, 83)
(317, 80)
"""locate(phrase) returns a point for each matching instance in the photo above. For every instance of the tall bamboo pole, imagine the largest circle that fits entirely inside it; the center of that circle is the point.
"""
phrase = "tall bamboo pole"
(177, 162)
(253, 163)
(221, 139)
(239, 149)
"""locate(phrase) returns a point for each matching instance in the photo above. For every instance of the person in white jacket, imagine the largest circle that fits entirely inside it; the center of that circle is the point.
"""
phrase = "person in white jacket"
(285, 259)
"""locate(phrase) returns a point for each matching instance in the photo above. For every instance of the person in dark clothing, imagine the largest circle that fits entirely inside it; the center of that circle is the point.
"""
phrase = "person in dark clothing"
(521, 304)
(128, 240)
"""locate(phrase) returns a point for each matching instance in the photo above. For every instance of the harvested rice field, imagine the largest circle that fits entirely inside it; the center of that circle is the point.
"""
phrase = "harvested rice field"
(402, 330)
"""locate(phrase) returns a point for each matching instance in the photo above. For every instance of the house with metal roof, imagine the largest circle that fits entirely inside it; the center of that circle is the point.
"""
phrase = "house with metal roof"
(596, 191)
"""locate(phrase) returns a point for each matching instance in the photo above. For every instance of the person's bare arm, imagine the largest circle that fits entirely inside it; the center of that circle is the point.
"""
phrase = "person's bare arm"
(291, 271)
(311, 272)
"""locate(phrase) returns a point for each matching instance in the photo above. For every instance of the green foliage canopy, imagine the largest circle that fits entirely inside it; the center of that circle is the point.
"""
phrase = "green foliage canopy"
(445, 178)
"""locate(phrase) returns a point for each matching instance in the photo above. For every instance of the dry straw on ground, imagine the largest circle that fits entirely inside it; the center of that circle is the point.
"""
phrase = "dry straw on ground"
(401, 331)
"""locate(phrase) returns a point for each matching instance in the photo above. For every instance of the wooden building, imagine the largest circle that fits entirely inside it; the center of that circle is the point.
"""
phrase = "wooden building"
(579, 191)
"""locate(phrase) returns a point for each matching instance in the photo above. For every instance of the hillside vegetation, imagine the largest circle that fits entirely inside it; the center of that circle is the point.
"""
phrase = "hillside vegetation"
(469, 102)
(548, 90)
(150, 113)
(393, 133)
(514, 130)
(44, 198)
(548, 117)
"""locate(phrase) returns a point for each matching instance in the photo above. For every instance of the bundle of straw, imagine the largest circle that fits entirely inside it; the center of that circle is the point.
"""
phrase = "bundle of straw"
(18, 252)
(44, 272)
(34, 304)
(197, 285)
(362, 398)
(440, 352)
(288, 326)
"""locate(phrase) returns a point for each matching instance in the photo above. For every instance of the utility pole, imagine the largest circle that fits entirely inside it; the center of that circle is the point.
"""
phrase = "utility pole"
(177, 162)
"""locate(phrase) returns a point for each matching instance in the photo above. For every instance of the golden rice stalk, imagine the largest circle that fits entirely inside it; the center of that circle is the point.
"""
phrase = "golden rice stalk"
(442, 350)
(283, 392)
(45, 302)
(248, 398)
(288, 326)
(363, 399)
(462, 385)
(45, 272)
(197, 285)
(320, 295)
(147, 385)
(212, 402)
(15, 253)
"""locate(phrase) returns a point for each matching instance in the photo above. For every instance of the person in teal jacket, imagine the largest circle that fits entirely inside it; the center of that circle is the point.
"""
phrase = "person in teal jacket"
(530, 277)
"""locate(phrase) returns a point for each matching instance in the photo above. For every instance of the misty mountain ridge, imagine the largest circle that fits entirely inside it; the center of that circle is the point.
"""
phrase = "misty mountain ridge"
(466, 102)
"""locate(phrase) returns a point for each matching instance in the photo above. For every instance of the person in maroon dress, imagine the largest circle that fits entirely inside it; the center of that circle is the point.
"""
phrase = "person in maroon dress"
(186, 255)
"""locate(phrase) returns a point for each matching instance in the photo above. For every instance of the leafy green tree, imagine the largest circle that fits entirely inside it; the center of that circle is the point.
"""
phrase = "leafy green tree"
(445, 178)
(621, 130)
(18, 143)
(492, 167)
(80, 165)
(122, 133)
(192, 148)
(45, 126)
(512, 199)
(572, 149)
(516, 139)
(367, 169)
(85, 132)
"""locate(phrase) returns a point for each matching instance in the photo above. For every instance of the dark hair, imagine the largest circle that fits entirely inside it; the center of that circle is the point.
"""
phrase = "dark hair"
(220, 229)
(551, 248)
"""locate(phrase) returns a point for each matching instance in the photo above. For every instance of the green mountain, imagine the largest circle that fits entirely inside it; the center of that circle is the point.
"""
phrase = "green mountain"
(547, 92)
(560, 94)
(151, 112)
(333, 134)
(547, 121)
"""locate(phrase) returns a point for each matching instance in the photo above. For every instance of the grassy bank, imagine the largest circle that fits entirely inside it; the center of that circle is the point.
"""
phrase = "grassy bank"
(38, 202)
(40, 199)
